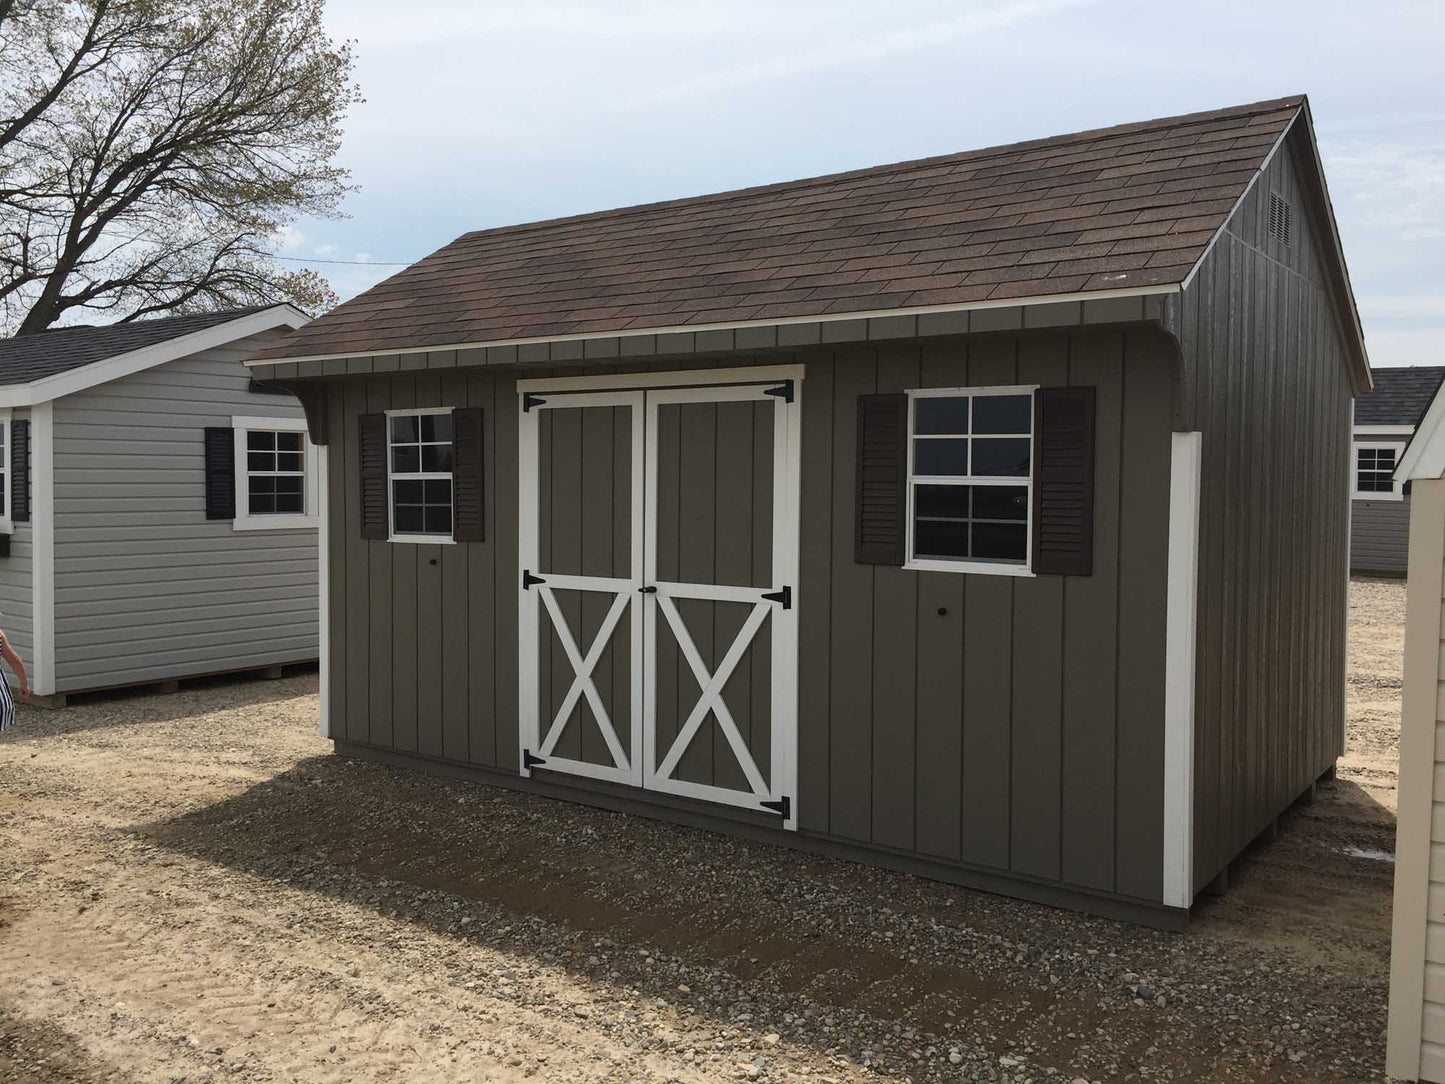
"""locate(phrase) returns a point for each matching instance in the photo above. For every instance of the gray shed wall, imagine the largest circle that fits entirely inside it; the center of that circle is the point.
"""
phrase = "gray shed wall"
(145, 586)
(1380, 536)
(17, 604)
(1017, 734)
(1265, 380)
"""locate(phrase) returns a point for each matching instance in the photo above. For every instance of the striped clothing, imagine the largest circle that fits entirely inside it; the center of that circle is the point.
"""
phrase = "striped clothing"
(7, 699)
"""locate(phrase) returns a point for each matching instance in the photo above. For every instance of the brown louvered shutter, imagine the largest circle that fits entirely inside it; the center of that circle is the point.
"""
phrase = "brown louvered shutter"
(371, 436)
(468, 509)
(20, 470)
(1064, 481)
(220, 472)
(882, 479)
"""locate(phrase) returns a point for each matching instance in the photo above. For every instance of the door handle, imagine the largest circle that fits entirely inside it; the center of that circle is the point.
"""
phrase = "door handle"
(648, 590)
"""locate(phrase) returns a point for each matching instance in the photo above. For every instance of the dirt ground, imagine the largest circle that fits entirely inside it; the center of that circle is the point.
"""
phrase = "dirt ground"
(192, 889)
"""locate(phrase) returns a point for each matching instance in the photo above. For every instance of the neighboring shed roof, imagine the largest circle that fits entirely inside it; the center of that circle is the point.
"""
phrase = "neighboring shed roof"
(1121, 208)
(1401, 395)
(58, 350)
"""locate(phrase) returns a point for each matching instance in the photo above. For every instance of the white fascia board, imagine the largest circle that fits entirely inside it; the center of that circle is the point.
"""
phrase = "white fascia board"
(1364, 431)
(1425, 454)
(148, 357)
(780, 321)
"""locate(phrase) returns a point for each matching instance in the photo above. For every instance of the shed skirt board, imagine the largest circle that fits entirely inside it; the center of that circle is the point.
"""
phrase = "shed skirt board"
(657, 607)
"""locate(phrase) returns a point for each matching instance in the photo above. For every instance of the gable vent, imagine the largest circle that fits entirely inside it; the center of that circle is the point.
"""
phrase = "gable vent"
(1279, 219)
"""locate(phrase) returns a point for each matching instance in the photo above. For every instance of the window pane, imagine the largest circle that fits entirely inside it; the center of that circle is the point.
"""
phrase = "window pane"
(261, 504)
(263, 484)
(408, 518)
(290, 503)
(288, 442)
(941, 414)
(260, 440)
(288, 485)
(1004, 456)
(438, 491)
(436, 457)
(945, 502)
(289, 461)
(436, 427)
(1001, 502)
(403, 428)
(1002, 413)
(439, 519)
(260, 461)
(936, 539)
(940, 456)
(405, 460)
(1000, 541)
(407, 492)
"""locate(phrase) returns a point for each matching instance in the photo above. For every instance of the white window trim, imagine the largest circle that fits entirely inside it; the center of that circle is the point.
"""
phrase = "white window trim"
(1397, 486)
(419, 539)
(986, 568)
(244, 520)
(7, 521)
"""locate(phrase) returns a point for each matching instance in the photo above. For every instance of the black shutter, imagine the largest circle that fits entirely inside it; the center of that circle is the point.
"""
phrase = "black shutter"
(468, 485)
(1064, 481)
(882, 480)
(20, 470)
(220, 472)
(371, 433)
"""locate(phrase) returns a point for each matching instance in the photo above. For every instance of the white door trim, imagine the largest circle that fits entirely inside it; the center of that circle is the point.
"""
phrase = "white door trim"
(685, 378)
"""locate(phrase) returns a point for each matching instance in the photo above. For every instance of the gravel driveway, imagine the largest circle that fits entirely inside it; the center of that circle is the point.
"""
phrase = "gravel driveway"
(192, 889)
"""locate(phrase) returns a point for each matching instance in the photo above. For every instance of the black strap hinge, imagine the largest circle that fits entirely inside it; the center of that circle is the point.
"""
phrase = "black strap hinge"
(528, 579)
(785, 596)
(783, 806)
(783, 391)
(529, 400)
(530, 761)
(650, 589)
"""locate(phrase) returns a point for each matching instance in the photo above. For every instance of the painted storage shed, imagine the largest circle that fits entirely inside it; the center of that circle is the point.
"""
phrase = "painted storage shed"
(159, 504)
(1416, 1042)
(1385, 420)
(983, 516)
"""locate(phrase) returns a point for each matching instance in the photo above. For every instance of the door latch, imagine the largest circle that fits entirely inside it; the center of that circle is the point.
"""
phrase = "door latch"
(650, 589)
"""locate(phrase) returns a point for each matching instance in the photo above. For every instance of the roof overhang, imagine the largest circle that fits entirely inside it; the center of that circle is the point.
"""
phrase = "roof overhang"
(786, 321)
(134, 361)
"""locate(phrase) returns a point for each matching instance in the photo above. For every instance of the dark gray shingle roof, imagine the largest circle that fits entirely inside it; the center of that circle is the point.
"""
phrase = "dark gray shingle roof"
(31, 357)
(1401, 396)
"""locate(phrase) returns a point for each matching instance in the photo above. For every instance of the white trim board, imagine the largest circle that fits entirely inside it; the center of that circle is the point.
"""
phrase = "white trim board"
(1180, 625)
(778, 321)
(323, 587)
(42, 546)
(148, 357)
(758, 374)
(1368, 431)
(1425, 454)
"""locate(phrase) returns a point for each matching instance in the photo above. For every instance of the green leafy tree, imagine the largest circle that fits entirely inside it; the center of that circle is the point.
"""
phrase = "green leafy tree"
(151, 151)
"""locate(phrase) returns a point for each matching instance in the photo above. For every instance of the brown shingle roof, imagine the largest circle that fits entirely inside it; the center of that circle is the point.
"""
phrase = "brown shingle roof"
(1115, 208)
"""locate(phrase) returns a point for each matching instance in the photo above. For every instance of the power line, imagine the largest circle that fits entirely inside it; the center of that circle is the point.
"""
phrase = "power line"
(352, 263)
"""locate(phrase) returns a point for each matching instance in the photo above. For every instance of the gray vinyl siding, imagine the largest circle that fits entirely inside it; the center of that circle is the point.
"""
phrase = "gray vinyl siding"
(1380, 536)
(17, 606)
(145, 586)
(1010, 726)
(1265, 379)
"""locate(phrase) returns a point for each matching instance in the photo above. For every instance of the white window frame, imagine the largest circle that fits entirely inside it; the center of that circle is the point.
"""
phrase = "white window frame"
(1397, 487)
(245, 521)
(987, 568)
(450, 476)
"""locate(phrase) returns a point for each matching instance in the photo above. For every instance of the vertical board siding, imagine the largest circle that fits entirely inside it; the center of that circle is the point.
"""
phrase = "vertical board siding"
(1379, 536)
(1008, 724)
(145, 586)
(1266, 383)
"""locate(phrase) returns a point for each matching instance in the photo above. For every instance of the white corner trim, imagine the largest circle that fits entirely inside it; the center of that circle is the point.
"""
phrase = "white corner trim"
(1425, 454)
(778, 321)
(1417, 778)
(42, 546)
(1180, 624)
(148, 357)
(323, 588)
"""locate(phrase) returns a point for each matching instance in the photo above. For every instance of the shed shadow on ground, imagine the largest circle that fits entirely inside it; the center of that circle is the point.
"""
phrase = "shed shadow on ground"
(721, 914)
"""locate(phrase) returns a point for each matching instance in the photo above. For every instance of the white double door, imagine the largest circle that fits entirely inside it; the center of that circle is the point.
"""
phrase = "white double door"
(658, 596)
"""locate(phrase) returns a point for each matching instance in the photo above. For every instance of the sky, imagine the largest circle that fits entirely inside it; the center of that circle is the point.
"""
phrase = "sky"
(494, 112)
